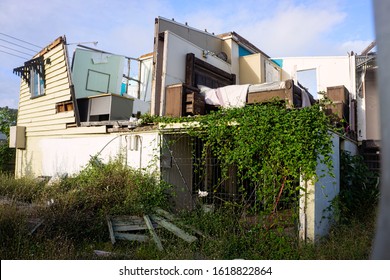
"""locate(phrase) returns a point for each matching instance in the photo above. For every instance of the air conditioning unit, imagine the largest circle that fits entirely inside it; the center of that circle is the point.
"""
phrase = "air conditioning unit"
(17, 137)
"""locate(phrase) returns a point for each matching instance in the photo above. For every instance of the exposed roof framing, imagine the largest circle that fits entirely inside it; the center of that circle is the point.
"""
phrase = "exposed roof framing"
(369, 48)
(368, 61)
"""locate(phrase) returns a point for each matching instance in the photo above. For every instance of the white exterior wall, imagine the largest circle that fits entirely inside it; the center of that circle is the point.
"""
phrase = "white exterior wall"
(349, 146)
(146, 152)
(69, 154)
(315, 216)
(330, 70)
(174, 65)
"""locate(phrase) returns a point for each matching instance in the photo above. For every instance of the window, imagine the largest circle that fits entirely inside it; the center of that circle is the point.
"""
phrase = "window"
(37, 84)
(33, 73)
(308, 78)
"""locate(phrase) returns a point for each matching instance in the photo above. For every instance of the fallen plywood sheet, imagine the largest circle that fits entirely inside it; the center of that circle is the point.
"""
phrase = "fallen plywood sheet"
(123, 228)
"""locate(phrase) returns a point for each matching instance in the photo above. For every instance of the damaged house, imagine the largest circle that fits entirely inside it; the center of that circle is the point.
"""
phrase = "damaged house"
(72, 111)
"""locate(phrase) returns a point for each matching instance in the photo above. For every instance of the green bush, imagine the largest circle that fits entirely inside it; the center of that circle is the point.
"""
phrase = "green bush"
(359, 192)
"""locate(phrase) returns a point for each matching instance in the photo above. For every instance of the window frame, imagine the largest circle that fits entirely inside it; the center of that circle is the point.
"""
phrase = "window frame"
(37, 84)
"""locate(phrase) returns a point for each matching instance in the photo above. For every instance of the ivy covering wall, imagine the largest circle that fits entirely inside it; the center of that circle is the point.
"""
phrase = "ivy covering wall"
(269, 145)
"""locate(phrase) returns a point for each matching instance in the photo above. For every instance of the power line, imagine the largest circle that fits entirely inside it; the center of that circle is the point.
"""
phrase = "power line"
(14, 50)
(20, 40)
(17, 45)
(14, 55)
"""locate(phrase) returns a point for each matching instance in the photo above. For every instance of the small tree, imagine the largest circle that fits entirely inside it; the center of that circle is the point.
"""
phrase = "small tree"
(7, 119)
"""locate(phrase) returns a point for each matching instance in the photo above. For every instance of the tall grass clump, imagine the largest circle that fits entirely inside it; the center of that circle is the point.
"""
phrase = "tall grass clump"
(80, 204)
(26, 189)
(74, 209)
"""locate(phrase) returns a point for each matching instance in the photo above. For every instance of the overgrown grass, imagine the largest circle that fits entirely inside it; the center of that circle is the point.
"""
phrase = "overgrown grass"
(75, 224)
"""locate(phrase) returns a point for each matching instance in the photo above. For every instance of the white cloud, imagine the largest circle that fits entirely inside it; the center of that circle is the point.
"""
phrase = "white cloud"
(357, 46)
(294, 30)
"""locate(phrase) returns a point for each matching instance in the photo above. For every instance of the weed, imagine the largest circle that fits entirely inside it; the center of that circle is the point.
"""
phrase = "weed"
(74, 223)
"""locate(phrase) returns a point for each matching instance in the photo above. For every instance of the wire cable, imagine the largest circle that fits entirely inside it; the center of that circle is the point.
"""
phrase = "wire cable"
(9, 36)
(15, 50)
(20, 46)
(14, 55)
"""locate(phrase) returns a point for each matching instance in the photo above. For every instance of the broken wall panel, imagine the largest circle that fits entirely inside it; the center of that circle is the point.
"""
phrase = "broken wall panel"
(95, 73)
(200, 38)
(39, 113)
(174, 65)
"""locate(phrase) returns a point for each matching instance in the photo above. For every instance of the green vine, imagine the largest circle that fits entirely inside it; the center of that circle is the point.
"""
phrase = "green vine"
(270, 146)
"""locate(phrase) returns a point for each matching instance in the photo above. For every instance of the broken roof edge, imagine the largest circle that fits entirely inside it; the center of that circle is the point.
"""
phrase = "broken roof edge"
(86, 48)
(146, 55)
(52, 45)
(224, 36)
(186, 26)
(241, 40)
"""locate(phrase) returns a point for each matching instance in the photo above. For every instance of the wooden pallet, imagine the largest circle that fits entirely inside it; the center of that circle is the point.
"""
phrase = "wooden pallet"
(134, 228)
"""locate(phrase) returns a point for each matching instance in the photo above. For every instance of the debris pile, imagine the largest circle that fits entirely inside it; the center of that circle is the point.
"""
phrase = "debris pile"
(129, 228)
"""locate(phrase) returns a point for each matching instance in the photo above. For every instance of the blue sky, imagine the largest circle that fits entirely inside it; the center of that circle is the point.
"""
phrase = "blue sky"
(279, 28)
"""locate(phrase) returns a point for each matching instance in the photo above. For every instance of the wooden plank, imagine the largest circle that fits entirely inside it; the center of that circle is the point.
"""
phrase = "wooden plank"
(55, 86)
(51, 122)
(174, 100)
(172, 218)
(126, 220)
(166, 214)
(26, 116)
(35, 223)
(156, 240)
(57, 59)
(129, 227)
(266, 96)
(59, 126)
(57, 75)
(60, 87)
(29, 119)
(129, 223)
(55, 66)
(55, 53)
(37, 109)
(101, 253)
(109, 223)
(46, 100)
(56, 80)
(190, 73)
(174, 229)
(131, 237)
